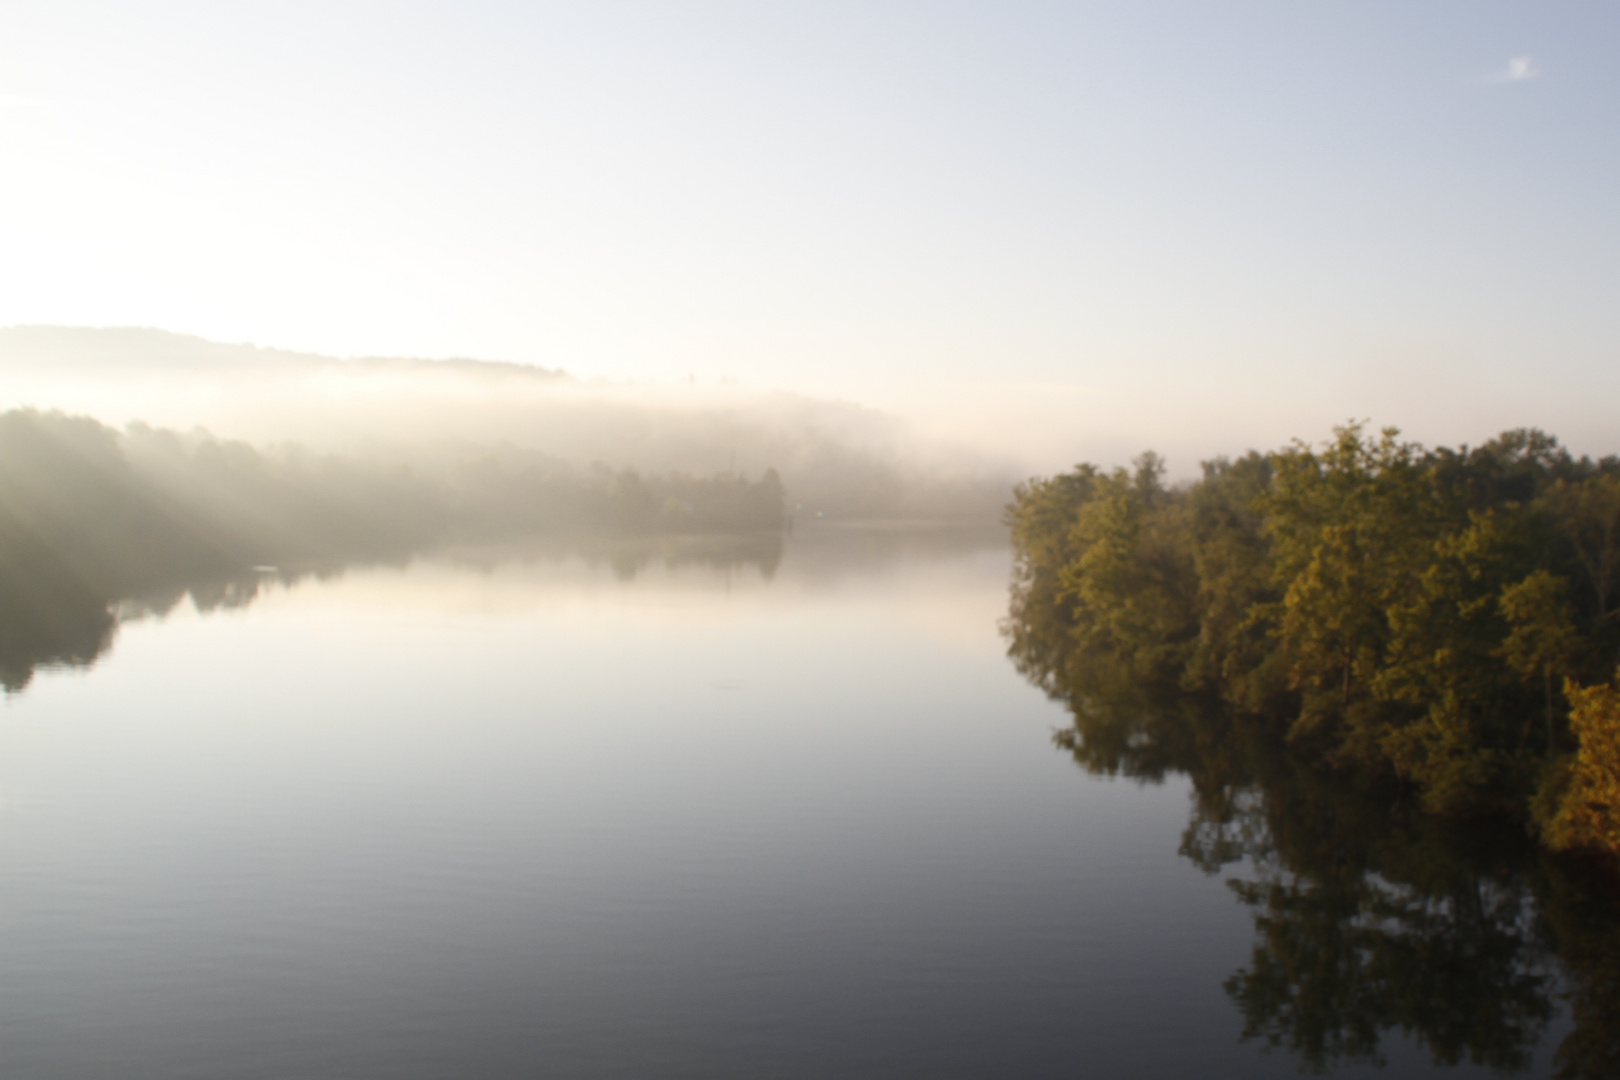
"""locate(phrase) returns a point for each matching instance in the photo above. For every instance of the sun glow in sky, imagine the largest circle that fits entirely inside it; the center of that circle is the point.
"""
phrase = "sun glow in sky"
(1063, 228)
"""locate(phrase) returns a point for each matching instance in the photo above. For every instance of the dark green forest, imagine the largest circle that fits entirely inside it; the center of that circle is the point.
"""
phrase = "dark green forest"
(1444, 620)
(92, 518)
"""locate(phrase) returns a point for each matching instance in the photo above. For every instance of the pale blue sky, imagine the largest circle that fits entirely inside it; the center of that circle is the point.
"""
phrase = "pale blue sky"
(1197, 225)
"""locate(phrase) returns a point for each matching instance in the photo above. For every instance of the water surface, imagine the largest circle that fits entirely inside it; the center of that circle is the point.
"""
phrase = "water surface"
(578, 818)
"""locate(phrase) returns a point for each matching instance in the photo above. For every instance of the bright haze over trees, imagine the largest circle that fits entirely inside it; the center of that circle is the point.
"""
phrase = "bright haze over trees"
(1061, 231)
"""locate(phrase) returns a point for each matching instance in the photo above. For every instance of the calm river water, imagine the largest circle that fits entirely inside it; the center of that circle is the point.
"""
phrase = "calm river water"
(578, 818)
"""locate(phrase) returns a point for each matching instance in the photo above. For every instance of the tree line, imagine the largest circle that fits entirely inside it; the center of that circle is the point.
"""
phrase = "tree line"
(91, 517)
(1447, 620)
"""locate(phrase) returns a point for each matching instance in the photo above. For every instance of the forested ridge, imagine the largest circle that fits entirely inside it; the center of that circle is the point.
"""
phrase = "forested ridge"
(1446, 620)
(91, 517)
(148, 500)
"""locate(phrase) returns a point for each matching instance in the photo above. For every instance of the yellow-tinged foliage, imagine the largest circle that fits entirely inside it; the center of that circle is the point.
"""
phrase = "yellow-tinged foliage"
(1386, 609)
(1589, 813)
(1330, 642)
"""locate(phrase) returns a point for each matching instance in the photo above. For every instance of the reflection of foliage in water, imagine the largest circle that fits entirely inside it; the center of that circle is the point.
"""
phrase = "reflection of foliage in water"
(1369, 919)
(1579, 906)
(1371, 916)
(43, 626)
(48, 623)
(98, 526)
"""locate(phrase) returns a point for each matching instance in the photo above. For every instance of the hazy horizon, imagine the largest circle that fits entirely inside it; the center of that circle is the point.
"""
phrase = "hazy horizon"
(838, 539)
(1048, 232)
(266, 395)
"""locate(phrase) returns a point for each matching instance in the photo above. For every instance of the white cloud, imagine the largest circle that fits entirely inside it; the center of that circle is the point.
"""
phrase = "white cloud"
(1519, 69)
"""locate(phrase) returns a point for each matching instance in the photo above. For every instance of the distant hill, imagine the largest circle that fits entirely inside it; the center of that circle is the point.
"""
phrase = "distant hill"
(836, 459)
(132, 348)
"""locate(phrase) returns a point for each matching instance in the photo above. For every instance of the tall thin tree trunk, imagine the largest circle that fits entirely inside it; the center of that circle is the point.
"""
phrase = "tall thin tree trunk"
(1546, 682)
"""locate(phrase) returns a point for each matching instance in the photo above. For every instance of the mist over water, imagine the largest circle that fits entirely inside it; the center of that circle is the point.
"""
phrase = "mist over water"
(873, 540)
(423, 718)
(684, 816)
(836, 457)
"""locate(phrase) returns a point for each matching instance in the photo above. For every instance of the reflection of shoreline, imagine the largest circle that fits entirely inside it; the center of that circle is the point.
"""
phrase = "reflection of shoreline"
(48, 625)
(1371, 916)
(60, 623)
(628, 558)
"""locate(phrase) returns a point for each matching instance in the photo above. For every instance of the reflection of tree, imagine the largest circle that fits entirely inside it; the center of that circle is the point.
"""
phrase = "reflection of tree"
(48, 620)
(1371, 917)
(721, 553)
(44, 625)
(1367, 923)
(96, 525)
(1336, 969)
(52, 616)
(1579, 905)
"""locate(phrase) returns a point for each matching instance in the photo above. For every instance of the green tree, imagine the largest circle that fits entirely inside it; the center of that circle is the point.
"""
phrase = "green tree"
(1131, 580)
(1352, 528)
(1541, 642)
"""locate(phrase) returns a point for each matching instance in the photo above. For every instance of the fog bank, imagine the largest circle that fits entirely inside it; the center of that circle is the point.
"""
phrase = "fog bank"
(835, 458)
